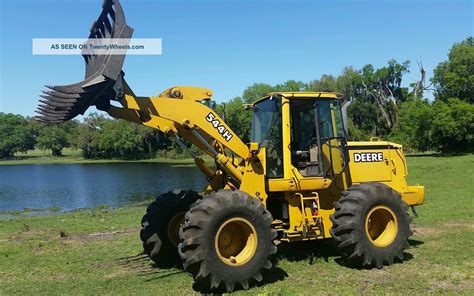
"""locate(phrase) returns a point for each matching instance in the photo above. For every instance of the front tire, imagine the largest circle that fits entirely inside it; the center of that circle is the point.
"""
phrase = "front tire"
(371, 225)
(227, 239)
(160, 226)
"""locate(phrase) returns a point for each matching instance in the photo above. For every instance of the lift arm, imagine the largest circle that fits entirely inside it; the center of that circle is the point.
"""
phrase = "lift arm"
(184, 111)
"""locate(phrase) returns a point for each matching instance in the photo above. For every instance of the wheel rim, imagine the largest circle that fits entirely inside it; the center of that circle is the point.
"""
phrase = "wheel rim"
(236, 241)
(173, 228)
(381, 226)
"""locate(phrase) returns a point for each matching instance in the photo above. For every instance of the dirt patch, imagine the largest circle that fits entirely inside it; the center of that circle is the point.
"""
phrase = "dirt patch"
(39, 250)
(426, 231)
(63, 236)
(117, 273)
(57, 277)
(100, 235)
(457, 224)
(372, 277)
(442, 228)
(464, 285)
(30, 234)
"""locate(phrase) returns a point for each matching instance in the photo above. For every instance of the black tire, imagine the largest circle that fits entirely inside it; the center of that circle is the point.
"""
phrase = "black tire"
(199, 240)
(371, 241)
(167, 208)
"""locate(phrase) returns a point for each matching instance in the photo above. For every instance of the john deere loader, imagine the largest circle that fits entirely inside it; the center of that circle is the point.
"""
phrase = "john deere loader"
(299, 179)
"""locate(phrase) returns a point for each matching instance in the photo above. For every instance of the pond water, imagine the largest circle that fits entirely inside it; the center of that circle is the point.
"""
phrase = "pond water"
(73, 186)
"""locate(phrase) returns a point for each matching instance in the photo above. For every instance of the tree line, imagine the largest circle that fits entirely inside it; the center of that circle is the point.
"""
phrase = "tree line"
(381, 107)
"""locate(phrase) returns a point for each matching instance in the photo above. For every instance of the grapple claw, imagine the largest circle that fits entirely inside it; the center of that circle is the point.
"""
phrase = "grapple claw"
(64, 102)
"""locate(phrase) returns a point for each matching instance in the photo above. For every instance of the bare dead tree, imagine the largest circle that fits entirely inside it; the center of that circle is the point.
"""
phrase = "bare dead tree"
(382, 98)
(394, 102)
(419, 86)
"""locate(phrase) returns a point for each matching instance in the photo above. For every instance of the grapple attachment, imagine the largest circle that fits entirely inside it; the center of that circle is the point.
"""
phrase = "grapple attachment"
(103, 78)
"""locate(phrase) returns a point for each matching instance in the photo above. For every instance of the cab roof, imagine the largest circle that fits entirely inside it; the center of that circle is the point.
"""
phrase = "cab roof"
(303, 95)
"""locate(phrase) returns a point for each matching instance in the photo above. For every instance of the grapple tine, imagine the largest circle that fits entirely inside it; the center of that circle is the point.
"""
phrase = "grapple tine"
(47, 119)
(56, 104)
(53, 111)
(62, 95)
(112, 16)
(58, 100)
(108, 27)
(79, 87)
(67, 89)
(51, 116)
(54, 108)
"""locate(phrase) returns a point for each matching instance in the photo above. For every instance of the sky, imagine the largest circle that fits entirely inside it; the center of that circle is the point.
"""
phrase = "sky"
(228, 45)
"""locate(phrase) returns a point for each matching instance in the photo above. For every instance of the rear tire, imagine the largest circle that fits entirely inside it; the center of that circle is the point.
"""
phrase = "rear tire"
(227, 239)
(371, 225)
(160, 226)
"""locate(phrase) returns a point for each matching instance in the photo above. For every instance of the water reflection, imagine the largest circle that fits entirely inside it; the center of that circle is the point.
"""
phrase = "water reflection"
(72, 186)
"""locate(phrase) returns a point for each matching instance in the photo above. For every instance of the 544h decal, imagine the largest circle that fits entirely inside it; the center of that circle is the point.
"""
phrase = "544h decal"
(211, 118)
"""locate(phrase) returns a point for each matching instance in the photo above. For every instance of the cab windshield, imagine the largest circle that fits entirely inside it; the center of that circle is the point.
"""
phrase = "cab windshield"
(266, 123)
(266, 131)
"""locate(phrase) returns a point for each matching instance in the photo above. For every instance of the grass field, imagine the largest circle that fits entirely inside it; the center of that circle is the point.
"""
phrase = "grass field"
(97, 251)
(74, 156)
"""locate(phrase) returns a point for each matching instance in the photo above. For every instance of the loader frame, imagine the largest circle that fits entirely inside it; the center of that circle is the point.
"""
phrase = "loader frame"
(184, 113)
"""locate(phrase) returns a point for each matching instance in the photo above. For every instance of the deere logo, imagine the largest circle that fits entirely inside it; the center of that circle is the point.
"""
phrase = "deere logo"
(368, 157)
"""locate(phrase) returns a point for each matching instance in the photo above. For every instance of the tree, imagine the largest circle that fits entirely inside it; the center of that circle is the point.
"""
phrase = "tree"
(375, 94)
(419, 86)
(325, 83)
(414, 126)
(87, 135)
(256, 91)
(53, 137)
(453, 125)
(239, 120)
(383, 86)
(69, 128)
(364, 120)
(14, 135)
(290, 85)
(349, 83)
(153, 139)
(454, 78)
(121, 139)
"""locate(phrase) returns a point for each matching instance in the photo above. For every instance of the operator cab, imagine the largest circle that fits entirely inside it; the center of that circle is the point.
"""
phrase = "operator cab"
(316, 140)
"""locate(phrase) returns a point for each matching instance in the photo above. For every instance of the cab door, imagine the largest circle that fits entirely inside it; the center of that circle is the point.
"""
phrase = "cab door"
(332, 136)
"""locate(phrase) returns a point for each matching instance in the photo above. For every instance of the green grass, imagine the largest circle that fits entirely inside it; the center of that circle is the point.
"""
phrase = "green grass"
(100, 251)
(75, 156)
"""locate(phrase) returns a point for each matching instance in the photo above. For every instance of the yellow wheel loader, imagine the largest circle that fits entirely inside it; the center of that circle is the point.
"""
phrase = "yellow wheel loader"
(298, 179)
